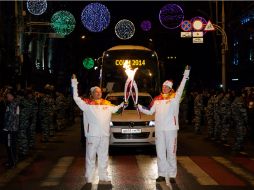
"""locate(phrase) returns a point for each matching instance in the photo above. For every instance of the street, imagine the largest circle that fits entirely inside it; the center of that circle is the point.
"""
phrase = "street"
(59, 164)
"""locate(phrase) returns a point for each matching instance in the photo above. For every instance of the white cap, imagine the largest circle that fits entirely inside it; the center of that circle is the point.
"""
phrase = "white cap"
(168, 83)
(93, 88)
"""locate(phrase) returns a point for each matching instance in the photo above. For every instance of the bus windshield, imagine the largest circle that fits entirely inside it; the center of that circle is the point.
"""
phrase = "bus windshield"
(147, 76)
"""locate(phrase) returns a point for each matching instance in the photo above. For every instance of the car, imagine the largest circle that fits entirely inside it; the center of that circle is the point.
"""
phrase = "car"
(128, 128)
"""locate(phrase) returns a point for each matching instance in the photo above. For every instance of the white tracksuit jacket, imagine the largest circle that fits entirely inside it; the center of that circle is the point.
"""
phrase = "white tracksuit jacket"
(167, 109)
(97, 117)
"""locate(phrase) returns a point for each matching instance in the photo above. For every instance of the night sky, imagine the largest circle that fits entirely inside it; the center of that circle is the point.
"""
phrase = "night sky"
(204, 58)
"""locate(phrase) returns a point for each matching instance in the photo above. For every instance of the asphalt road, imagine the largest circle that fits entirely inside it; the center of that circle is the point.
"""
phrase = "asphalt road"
(202, 165)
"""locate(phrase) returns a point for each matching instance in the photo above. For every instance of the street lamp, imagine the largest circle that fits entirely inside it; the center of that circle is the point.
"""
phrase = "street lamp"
(224, 36)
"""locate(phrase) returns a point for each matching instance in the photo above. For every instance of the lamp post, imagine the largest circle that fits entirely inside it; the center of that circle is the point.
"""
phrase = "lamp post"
(224, 49)
(224, 44)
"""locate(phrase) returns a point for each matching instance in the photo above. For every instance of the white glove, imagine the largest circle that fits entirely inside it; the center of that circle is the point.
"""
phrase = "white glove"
(186, 73)
(140, 107)
(122, 104)
(74, 82)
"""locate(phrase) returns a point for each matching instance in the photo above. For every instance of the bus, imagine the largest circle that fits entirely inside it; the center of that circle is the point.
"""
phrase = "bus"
(113, 76)
(130, 128)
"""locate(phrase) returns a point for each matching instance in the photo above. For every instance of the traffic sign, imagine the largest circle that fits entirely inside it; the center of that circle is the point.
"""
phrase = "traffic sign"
(185, 34)
(186, 25)
(209, 26)
(198, 25)
(197, 34)
(197, 40)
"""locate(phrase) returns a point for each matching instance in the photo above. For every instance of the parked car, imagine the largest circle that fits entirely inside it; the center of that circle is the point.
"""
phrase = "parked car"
(129, 128)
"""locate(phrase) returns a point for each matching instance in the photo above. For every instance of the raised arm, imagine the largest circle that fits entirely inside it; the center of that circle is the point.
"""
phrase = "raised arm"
(186, 74)
(74, 83)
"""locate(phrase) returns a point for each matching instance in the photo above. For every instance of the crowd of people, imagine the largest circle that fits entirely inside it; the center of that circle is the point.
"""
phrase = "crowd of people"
(225, 117)
(24, 113)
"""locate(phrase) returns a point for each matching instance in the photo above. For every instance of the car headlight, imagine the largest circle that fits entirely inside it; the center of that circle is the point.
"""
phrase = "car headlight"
(151, 123)
(111, 124)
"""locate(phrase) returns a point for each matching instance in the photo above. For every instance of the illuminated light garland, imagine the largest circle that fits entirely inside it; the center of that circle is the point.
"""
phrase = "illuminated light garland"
(88, 63)
(36, 7)
(63, 22)
(171, 16)
(124, 29)
(146, 25)
(95, 17)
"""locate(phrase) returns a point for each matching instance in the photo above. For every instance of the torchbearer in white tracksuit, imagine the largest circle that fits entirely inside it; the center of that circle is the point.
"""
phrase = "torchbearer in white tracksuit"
(97, 116)
(166, 109)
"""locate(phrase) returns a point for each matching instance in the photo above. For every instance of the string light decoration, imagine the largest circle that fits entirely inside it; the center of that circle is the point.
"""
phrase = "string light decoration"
(63, 22)
(88, 63)
(146, 25)
(124, 29)
(171, 16)
(36, 7)
(95, 17)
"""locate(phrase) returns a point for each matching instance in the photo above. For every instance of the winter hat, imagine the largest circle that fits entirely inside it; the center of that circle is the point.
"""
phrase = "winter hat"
(168, 83)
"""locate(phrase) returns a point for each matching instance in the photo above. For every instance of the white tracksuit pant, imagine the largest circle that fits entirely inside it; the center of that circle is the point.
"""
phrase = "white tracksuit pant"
(166, 145)
(97, 146)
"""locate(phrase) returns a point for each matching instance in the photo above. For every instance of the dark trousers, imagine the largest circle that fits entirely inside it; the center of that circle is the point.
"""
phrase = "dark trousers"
(10, 141)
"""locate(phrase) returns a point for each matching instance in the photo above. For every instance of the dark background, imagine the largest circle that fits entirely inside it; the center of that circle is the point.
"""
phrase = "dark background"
(68, 52)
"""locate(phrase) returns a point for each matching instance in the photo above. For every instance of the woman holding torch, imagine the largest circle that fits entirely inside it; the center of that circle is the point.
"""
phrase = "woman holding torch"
(166, 109)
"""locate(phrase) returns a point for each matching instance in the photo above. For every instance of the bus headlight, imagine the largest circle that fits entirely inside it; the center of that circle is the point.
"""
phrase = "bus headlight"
(111, 124)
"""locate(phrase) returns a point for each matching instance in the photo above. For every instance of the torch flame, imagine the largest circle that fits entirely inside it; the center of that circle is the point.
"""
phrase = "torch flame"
(130, 73)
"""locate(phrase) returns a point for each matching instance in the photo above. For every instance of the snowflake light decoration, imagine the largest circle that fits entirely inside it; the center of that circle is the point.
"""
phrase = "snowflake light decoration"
(36, 7)
(171, 16)
(124, 29)
(88, 63)
(63, 22)
(146, 25)
(95, 17)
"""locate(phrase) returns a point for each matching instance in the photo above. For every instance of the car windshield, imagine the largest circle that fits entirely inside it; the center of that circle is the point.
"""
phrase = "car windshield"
(143, 100)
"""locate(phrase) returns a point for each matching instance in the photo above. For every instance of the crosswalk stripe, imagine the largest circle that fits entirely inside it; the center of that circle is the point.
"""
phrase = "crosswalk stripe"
(216, 171)
(10, 174)
(202, 177)
(246, 163)
(148, 168)
(126, 171)
(58, 172)
(110, 167)
(237, 170)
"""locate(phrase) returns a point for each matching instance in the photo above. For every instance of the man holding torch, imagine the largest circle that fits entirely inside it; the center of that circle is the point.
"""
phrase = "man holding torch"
(97, 112)
(166, 109)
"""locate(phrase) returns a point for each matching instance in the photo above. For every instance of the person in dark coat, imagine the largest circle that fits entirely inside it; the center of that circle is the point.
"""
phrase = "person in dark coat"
(10, 128)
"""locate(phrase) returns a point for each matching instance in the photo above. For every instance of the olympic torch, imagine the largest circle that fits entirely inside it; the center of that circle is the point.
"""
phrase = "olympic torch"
(130, 88)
